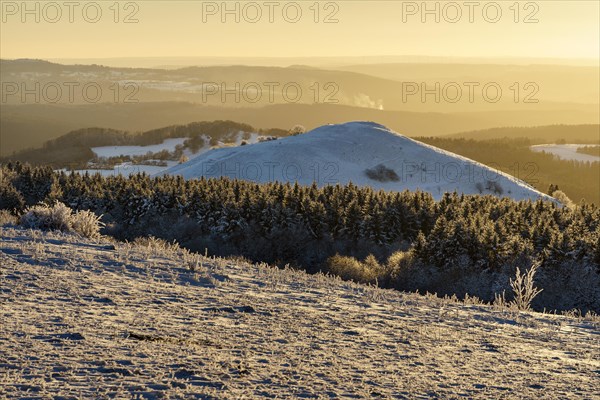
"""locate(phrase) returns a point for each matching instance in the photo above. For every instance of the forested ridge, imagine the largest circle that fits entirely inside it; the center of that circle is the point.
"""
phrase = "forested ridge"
(579, 180)
(73, 149)
(559, 134)
(590, 150)
(460, 244)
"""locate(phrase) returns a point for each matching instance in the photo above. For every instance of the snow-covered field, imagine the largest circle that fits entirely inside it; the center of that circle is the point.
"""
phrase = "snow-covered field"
(128, 168)
(115, 151)
(342, 153)
(83, 319)
(565, 151)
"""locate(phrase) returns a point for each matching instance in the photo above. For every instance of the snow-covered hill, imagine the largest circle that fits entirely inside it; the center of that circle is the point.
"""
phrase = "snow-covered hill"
(96, 320)
(364, 153)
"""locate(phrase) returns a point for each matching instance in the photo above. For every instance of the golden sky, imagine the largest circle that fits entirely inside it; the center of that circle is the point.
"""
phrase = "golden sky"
(564, 29)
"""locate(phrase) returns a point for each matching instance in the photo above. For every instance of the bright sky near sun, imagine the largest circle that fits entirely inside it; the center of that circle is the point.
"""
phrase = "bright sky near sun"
(87, 29)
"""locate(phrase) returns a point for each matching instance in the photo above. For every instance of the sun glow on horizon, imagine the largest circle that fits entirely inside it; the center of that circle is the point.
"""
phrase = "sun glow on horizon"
(557, 29)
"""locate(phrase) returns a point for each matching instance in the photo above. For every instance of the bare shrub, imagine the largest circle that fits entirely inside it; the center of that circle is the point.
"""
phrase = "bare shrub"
(60, 217)
(500, 302)
(157, 246)
(86, 223)
(349, 268)
(400, 267)
(523, 289)
(297, 130)
(41, 216)
(381, 173)
(409, 273)
(563, 199)
(7, 218)
(472, 300)
(401, 260)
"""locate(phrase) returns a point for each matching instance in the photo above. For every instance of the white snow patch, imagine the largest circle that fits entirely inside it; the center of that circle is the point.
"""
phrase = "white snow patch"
(115, 151)
(565, 151)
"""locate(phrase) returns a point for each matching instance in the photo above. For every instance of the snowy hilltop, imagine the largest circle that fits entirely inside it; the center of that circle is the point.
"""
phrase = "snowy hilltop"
(364, 153)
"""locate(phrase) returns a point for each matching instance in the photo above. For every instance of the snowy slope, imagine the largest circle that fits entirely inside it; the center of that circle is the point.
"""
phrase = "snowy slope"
(96, 320)
(342, 153)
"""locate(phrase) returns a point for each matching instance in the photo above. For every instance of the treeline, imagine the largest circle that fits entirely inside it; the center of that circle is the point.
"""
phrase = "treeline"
(586, 133)
(578, 180)
(591, 150)
(73, 150)
(458, 245)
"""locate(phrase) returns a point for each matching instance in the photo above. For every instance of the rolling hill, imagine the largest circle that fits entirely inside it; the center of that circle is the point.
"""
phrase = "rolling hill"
(138, 99)
(557, 83)
(367, 86)
(30, 125)
(364, 153)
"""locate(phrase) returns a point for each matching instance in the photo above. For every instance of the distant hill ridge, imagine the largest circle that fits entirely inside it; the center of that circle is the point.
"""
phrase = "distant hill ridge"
(75, 147)
(588, 133)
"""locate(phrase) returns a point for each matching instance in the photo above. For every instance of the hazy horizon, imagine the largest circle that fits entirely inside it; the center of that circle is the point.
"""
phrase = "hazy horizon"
(333, 61)
(556, 29)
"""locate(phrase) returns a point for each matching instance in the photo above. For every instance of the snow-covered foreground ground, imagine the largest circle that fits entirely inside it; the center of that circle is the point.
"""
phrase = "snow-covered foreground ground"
(565, 151)
(84, 319)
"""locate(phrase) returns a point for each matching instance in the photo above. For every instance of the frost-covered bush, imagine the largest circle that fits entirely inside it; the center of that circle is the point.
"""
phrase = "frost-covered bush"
(381, 173)
(406, 272)
(86, 223)
(524, 289)
(57, 217)
(157, 246)
(401, 260)
(7, 218)
(297, 130)
(62, 218)
(349, 268)
(563, 198)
